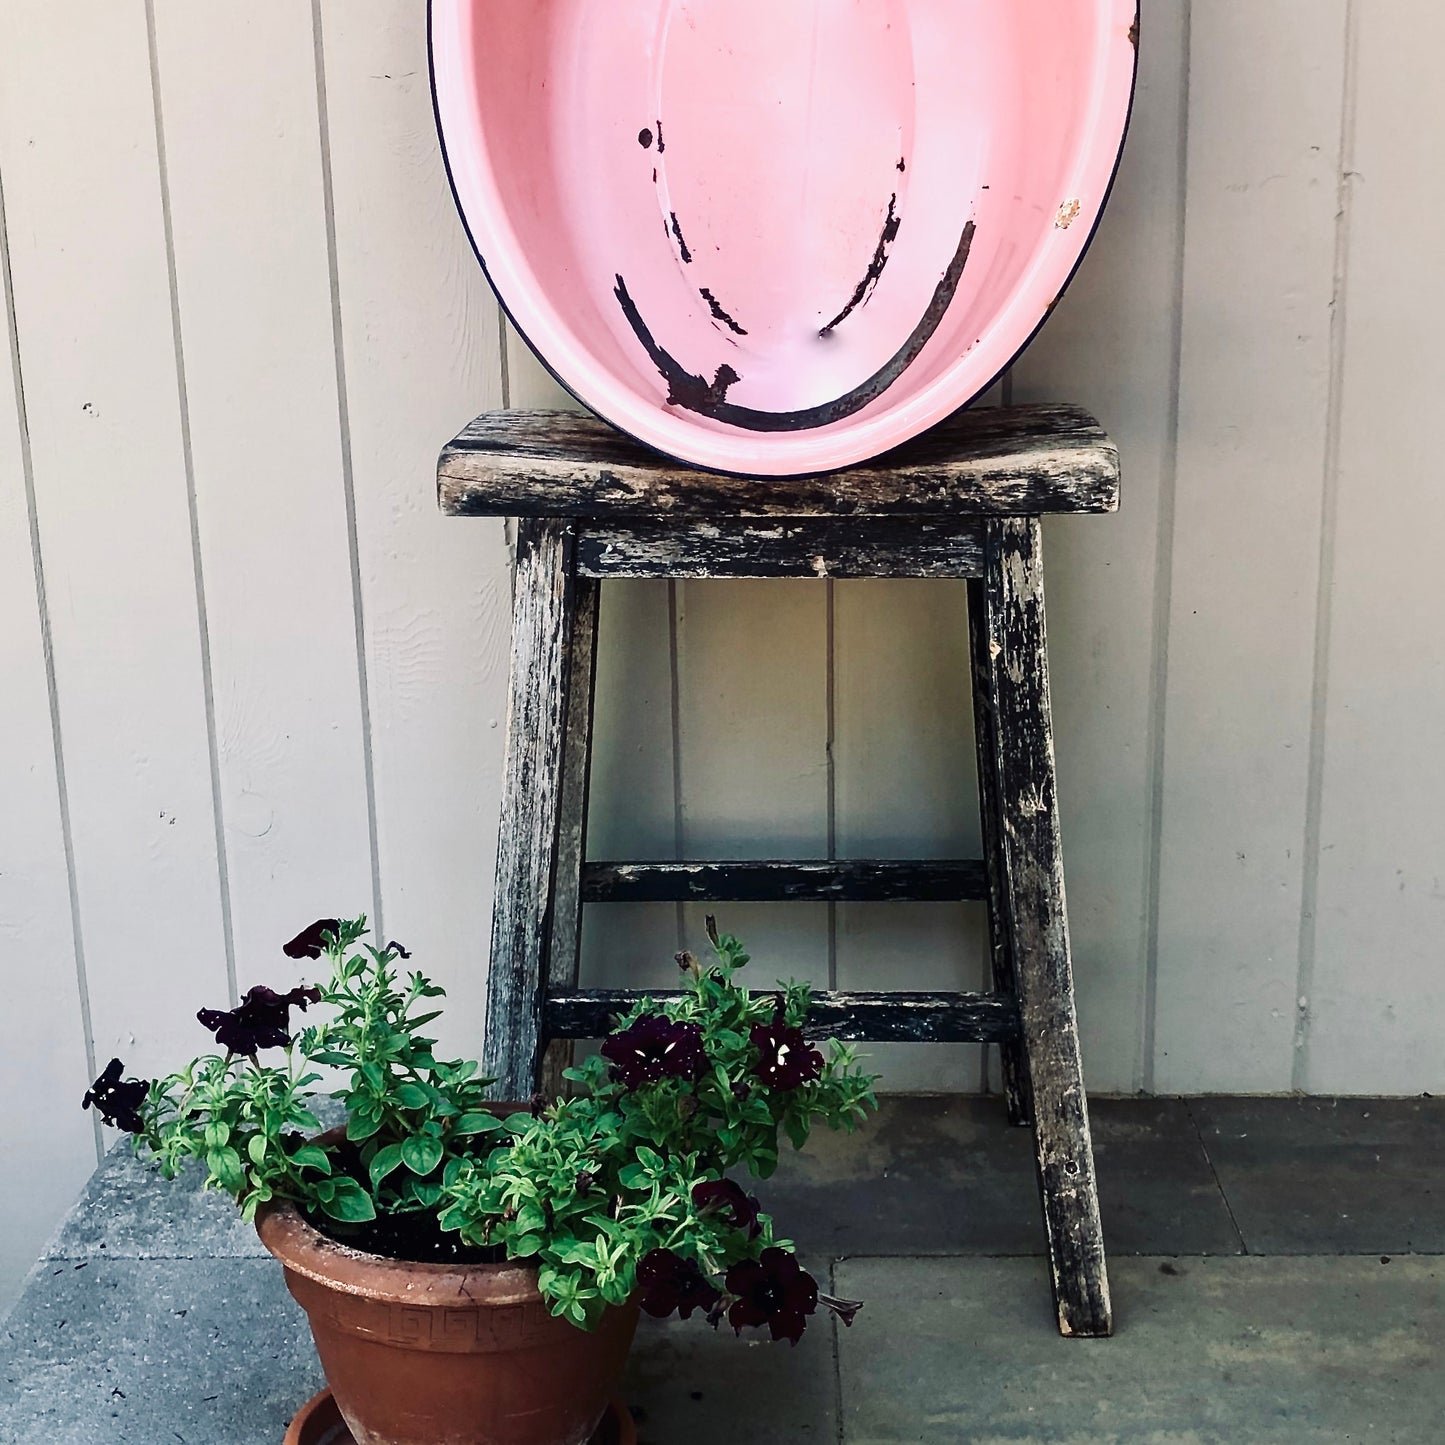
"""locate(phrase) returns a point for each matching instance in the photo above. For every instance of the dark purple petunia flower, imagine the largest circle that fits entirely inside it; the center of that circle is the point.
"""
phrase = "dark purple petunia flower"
(262, 1020)
(309, 942)
(671, 1284)
(786, 1060)
(655, 1048)
(727, 1197)
(773, 1290)
(118, 1100)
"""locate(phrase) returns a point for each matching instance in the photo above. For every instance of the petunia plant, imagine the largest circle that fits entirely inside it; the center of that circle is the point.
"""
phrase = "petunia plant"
(250, 1124)
(624, 1189)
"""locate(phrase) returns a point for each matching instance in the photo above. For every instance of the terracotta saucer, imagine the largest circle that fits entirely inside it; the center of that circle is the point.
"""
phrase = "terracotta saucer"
(319, 1422)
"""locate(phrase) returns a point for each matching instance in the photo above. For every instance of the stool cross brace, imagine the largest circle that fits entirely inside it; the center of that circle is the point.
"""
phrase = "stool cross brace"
(964, 501)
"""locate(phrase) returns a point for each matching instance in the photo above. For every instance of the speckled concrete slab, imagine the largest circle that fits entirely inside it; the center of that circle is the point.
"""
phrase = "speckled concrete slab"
(156, 1316)
(129, 1212)
(938, 1175)
(690, 1385)
(1285, 1351)
(1331, 1176)
(153, 1351)
(1157, 1192)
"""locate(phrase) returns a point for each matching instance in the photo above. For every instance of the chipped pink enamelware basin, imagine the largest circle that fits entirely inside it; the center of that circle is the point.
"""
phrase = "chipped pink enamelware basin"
(777, 237)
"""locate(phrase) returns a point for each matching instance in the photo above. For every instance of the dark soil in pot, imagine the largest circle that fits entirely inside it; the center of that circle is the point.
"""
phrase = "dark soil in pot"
(413, 1237)
(417, 1236)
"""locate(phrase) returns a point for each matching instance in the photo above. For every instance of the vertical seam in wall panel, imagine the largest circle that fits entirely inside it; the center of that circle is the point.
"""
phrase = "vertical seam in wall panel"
(506, 360)
(832, 776)
(1164, 595)
(348, 474)
(223, 877)
(509, 524)
(42, 606)
(675, 728)
(1324, 617)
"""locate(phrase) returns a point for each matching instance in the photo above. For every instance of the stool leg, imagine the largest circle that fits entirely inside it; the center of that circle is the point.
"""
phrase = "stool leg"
(1015, 1074)
(1021, 732)
(565, 944)
(542, 616)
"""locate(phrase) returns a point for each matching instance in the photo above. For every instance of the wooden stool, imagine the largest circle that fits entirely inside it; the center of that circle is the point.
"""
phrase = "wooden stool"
(963, 501)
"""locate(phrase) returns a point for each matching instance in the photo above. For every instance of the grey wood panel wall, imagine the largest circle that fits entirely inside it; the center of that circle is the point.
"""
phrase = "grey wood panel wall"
(251, 675)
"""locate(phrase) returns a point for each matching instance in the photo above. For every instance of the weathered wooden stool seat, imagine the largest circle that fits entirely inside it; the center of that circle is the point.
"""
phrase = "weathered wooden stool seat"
(963, 501)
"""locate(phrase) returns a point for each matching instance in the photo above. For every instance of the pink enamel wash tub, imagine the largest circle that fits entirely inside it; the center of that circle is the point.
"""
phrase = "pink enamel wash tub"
(776, 237)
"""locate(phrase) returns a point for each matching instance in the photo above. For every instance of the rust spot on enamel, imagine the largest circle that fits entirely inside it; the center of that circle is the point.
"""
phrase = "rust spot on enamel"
(693, 392)
(677, 231)
(719, 313)
(891, 223)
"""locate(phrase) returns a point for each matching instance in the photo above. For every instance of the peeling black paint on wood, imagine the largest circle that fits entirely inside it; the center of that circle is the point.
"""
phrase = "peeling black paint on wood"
(527, 844)
(696, 393)
(565, 936)
(936, 504)
(892, 1017)
(1011, 1058)
(847, 880)
(566, 933)
(783, 547)
(992, 461)
(1032, 874)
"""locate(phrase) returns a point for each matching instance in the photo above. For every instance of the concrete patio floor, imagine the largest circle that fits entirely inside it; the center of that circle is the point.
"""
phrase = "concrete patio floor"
(1278, 1270)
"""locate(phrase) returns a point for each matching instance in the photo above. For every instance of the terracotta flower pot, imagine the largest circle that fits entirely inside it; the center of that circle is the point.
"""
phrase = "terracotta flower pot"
(443, 1354)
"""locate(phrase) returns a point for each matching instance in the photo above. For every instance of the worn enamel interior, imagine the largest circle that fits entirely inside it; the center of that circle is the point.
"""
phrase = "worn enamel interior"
(779, 238)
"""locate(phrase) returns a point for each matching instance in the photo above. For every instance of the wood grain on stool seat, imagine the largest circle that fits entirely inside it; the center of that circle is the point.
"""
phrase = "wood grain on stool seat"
(998, 461)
